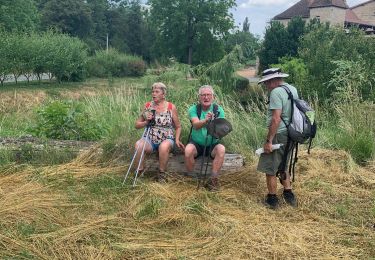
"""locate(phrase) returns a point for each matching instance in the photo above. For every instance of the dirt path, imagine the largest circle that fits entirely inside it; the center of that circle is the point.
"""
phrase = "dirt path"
(249, 72)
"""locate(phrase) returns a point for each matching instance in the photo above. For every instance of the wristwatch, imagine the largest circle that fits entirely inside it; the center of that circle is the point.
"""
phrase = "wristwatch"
(268, 141)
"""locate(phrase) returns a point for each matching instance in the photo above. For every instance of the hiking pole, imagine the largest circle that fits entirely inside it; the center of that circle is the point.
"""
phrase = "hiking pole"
(208, 159)
(202, 163)
(132, 161)
(150, 123)
(142, 155)
(145, 134)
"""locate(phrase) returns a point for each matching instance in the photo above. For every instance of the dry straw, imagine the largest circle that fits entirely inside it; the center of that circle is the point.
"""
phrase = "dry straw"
(334, 218)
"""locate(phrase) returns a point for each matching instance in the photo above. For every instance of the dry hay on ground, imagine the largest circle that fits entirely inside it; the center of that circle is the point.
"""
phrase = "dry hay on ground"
(20, 100)
(175, 221)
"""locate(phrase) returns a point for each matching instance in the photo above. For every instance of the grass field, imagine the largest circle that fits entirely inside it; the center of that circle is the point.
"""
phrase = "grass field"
(81, 210)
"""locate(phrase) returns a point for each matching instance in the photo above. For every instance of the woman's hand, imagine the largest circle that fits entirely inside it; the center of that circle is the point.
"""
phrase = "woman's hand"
(180, 145)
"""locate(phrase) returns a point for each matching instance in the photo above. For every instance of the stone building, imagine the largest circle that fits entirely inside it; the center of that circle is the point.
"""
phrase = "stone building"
(336, 12)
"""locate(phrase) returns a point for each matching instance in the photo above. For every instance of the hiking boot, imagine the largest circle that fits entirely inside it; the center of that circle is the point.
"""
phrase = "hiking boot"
(212, 184)
(272, 201)
(162, 177)
(290, 198)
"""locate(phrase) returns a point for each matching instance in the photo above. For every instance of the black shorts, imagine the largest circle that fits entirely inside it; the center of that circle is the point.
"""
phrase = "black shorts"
(201, 150)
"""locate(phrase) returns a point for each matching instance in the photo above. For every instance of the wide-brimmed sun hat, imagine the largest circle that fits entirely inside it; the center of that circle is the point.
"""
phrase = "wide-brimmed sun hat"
(219, 127)
(271, 74)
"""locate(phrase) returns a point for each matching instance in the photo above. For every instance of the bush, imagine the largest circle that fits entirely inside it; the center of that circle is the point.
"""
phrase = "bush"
(241, 83)
(66, 121)
(112, 63)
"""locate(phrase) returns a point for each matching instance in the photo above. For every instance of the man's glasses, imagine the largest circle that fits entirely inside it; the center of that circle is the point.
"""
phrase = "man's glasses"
(205, 95)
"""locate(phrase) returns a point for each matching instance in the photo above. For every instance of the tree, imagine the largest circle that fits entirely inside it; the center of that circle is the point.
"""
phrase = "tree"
(275, 45)
(19, 15)
(322, 47)
(69, 16)
(249, 43)
(295, 29)
(184, 26)
(99, 12)
(246, 25)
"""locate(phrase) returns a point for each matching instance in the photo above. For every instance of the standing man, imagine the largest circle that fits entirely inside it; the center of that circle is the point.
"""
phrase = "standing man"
(278, 117)
(201, 143)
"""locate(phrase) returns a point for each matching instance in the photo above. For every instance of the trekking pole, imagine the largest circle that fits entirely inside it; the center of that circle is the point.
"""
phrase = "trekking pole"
(132, 161)
(145, 134)
(142, 155)
(208, 159)
(202, 163)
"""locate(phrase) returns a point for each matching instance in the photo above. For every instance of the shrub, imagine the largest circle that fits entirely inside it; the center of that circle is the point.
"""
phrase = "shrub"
(241, 83)
(113, 63)
(67, 121)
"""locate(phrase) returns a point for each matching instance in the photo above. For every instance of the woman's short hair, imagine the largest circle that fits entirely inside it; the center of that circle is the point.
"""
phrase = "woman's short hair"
(161, 86)
(206, 87)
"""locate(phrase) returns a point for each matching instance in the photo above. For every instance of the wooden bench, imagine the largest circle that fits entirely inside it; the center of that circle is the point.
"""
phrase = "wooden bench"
(232, 163)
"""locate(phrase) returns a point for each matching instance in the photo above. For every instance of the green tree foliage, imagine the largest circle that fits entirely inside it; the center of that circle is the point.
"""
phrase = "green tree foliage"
(280, 41)
(297, 71)
(275, 45)
(221, 73)
(18, 15)
(295, 29)
(188, 26)
(322, 46)
(69, 16)
(249, 43)
(246, 25)
(99, 12)
(27, 54)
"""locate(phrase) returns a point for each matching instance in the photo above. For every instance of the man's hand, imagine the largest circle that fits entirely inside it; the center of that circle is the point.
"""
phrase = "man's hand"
(267, 147)
(209, 116)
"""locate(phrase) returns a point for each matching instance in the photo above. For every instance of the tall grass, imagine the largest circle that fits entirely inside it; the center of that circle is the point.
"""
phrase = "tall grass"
(119, 108)
(346, 124)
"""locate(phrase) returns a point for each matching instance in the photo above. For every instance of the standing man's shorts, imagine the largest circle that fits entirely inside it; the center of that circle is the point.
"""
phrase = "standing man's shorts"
(269, 163)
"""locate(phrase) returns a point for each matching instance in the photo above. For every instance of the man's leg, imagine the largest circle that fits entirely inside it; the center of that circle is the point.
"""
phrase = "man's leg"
(190, 153)
(271, 200)
(288, 195)
(218, 154)
(148, 150)
(271, 184)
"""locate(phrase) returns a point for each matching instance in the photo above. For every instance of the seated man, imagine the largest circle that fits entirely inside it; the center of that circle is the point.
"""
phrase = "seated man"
(200, 141)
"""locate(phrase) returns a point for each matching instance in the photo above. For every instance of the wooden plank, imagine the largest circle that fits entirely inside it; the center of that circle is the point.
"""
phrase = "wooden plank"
(232, 163)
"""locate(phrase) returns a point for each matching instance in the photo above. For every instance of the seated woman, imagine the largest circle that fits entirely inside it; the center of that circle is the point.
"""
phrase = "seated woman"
(162, 118)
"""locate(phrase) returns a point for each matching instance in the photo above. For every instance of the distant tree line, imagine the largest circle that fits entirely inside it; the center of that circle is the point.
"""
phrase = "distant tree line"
(314, 54)
(193, 31)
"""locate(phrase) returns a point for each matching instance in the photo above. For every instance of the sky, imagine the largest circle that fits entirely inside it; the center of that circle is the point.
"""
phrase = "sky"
(260, 12)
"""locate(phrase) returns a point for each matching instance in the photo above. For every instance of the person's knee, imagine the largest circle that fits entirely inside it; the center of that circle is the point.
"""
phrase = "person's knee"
(165, 147)
(138, 144)
(219, 150)
(190, 151)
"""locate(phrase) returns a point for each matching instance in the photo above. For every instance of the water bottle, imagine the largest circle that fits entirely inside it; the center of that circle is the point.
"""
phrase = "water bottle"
(259, 151)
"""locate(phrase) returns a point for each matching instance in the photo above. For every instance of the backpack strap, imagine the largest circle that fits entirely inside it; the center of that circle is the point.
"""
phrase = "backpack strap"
(148, 104)
(199, 113)
(289, 144)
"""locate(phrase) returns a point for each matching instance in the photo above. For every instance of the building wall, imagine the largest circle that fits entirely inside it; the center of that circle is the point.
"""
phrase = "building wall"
(334, 15)
(366, 12)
